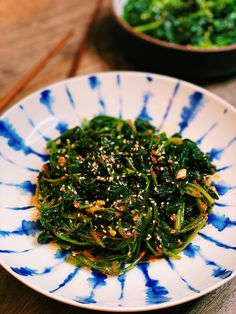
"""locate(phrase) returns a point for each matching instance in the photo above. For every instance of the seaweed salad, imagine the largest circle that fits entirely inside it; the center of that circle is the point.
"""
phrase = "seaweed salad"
(197, 23)
(116, 192)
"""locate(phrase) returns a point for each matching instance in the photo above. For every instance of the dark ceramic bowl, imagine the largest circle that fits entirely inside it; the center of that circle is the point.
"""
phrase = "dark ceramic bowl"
(172, 59)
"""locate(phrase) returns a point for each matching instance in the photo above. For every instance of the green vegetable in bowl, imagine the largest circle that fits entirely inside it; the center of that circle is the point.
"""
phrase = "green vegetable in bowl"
(198, 23)
(115, 193)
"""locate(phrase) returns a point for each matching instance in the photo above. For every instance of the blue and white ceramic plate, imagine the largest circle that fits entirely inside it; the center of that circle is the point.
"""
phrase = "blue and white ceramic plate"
(173, 106)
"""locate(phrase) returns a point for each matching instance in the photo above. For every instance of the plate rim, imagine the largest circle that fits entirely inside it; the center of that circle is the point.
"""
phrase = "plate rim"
(124, 72)
(88, 306)
(124, 308)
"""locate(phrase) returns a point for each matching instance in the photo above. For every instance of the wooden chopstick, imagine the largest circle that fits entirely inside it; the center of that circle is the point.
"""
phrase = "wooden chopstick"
(28, 76)
(84, 41)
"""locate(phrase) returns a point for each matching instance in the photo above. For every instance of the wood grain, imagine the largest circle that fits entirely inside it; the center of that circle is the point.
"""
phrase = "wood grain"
(34, 70)
(27, 29)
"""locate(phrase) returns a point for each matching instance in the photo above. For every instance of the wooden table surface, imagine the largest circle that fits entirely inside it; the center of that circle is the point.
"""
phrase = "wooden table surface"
(27, 30)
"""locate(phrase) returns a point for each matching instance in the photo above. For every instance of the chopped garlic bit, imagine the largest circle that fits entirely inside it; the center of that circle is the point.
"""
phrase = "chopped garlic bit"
(100, 202)
(181, 174)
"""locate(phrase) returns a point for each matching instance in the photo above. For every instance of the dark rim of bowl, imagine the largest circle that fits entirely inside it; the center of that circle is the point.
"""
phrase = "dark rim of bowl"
(167, 44)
